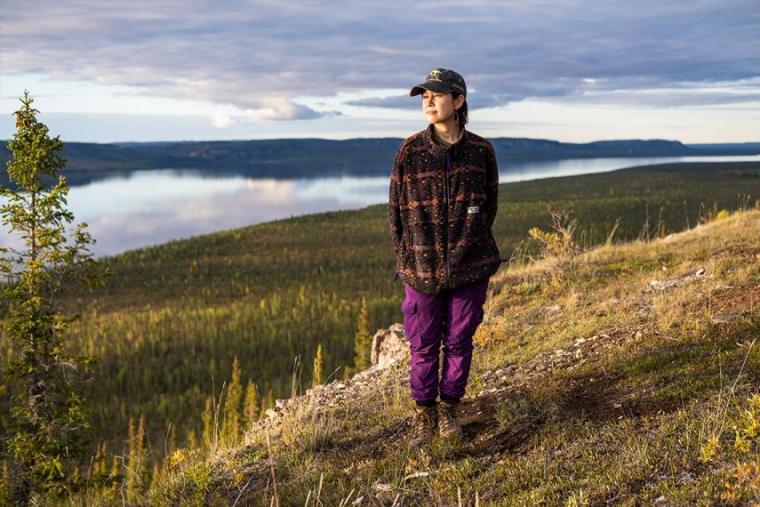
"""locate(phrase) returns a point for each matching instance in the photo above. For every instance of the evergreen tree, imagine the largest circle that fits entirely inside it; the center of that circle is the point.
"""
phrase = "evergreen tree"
(251, 405)
(48, 414)
(192, 440)
(99, 462)
(231, 412)
(317, 376)
(363, 340)
(155, 477)
(268, 402)
(98, 473)
(137, 465)
(209, 433)
(115, 476)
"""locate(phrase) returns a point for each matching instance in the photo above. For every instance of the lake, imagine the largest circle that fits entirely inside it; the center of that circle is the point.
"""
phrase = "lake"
(141, 208)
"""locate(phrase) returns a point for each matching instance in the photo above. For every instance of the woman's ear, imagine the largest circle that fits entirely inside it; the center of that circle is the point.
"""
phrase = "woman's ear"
(459, 101)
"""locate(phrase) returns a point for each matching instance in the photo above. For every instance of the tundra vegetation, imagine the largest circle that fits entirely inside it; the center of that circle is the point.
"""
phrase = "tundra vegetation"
(194, 340)
(624, 373)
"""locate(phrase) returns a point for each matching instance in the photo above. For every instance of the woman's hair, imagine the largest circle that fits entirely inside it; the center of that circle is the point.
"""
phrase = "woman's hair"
(461, 113)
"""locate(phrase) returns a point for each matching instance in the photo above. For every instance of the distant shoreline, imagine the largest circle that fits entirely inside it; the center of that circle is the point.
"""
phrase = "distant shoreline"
(301, 157)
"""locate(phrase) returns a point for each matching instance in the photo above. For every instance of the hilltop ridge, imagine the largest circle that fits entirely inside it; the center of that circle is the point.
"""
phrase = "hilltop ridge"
(627, 373)
(369, 156)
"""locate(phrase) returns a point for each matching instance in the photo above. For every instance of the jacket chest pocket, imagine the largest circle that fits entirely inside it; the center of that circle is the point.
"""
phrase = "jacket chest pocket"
(473, 209)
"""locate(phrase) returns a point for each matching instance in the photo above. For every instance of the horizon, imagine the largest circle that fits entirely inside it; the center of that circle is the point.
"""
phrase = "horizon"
(570, 71)
(168, 141)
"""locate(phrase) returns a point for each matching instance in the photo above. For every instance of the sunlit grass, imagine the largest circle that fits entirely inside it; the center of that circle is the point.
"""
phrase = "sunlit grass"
(673, 415)
(166, 328)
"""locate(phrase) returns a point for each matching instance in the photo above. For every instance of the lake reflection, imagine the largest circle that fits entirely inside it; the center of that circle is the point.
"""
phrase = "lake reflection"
(144, 208)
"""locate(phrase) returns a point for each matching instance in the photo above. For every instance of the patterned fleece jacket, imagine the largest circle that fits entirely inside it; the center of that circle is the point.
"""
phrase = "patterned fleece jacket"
(441, 206)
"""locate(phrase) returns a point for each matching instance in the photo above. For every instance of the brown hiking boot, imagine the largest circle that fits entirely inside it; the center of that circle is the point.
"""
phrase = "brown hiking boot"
(448, 424)
(424, 425)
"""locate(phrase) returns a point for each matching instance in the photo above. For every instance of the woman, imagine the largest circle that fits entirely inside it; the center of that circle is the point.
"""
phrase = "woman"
(442, 204)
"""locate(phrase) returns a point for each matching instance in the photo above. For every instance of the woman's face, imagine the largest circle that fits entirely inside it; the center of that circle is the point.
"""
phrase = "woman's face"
(439, 107)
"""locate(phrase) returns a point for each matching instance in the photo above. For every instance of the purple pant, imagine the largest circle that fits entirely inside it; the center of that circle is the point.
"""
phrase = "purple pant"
(451, 317)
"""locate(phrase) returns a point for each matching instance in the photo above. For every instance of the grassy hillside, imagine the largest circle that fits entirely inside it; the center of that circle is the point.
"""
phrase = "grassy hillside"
(627, 374)
(172, 318)
(166, 328)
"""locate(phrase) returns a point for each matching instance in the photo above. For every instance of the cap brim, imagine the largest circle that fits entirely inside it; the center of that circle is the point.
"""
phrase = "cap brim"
(433, 86)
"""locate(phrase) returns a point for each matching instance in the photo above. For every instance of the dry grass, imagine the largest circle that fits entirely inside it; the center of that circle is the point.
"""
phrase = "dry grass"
(632, 381)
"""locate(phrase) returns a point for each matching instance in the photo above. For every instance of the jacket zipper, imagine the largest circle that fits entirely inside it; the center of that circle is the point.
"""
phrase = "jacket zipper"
(446, 220)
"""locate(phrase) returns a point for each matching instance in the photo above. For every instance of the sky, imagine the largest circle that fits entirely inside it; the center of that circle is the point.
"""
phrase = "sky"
(570, 70)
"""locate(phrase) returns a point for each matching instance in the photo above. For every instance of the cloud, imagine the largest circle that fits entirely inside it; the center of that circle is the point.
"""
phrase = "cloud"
(271, 109)
(281, 108)
(742, 91)
(261, 56)
(222, 120)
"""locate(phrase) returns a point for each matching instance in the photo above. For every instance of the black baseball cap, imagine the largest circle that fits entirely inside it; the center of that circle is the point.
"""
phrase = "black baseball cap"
(441, 81)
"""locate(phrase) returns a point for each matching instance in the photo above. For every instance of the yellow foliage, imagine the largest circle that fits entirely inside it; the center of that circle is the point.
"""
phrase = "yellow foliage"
(709, 449)
(560, 242)
(740, 443)
(178, 457)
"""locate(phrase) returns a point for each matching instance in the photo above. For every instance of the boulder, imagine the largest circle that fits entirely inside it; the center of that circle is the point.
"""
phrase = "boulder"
(389, 346)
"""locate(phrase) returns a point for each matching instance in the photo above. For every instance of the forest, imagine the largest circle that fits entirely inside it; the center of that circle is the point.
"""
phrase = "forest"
(181, 328)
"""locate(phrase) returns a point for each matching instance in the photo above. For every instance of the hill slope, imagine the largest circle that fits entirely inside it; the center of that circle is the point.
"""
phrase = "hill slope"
(281, 158)
(627, 374)
(172, 318)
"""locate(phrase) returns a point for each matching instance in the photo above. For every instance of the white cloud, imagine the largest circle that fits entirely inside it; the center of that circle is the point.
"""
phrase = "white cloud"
(222, 120)
(281, 108)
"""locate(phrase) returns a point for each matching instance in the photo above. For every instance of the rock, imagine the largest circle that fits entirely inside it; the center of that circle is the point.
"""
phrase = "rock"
(663, 285)
(415, 475)
(724, 318)
(684, 477)
(382, 487)
(389, 346)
